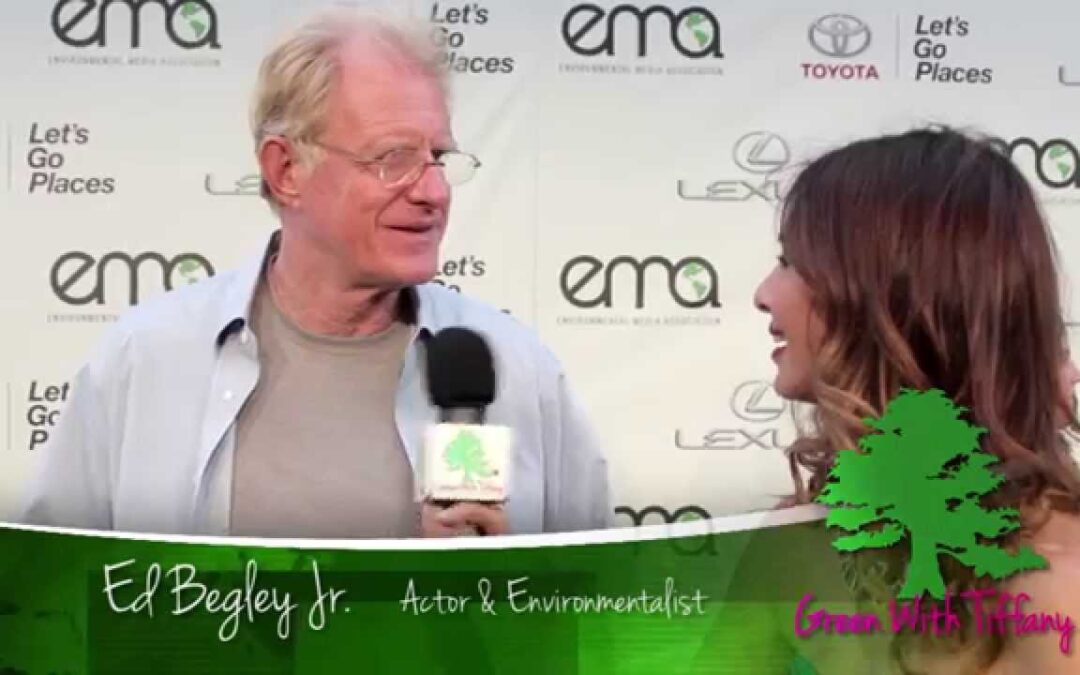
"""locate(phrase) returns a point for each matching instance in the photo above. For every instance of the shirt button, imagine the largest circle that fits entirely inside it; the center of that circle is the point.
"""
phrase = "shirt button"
(228, 394)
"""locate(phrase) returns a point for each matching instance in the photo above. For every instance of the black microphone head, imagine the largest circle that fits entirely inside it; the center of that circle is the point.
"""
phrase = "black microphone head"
(460, 369)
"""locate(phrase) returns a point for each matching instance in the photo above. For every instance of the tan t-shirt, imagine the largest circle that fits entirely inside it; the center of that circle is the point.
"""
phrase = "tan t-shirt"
(318, 452)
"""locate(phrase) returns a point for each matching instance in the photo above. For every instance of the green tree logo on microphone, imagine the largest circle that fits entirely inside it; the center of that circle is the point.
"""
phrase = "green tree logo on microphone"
(921, 477)
(466, 454)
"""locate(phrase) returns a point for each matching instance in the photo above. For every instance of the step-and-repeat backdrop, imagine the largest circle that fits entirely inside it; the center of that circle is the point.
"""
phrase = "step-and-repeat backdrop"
(633, 154)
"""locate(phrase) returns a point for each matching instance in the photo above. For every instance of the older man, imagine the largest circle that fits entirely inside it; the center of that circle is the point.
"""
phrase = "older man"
(288, 398)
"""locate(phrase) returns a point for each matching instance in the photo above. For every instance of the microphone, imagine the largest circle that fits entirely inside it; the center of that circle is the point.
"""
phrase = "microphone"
(464, 458)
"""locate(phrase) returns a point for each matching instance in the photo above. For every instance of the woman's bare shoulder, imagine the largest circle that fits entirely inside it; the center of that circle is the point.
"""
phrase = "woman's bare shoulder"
(1051, 603)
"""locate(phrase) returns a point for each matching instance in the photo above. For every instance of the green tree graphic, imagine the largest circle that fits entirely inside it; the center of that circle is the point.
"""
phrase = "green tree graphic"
(922, 476)
(466, 453)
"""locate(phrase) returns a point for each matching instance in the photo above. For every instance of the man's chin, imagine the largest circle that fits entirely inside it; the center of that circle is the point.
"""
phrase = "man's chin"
(416, 277)
(396, 279)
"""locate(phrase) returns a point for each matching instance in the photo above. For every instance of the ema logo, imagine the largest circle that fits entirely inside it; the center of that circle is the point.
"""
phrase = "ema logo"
(189, 24)
(1056, 161)
(840, 37)
(591, 30)
(76, 266)
(692, 282)
(609, 288)
(661, 515)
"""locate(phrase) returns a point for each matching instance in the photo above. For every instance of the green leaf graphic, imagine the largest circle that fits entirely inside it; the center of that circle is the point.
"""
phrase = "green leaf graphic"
(920, 478)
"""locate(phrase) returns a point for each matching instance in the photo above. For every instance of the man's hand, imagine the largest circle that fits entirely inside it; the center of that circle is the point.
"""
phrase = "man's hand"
(462, 519)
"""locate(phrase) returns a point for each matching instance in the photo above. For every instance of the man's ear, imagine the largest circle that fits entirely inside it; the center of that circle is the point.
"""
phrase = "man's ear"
(280, 167)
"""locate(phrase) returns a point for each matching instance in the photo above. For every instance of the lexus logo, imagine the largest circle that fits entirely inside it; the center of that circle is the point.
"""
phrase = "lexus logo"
(761, 152)
(757, 401)
(840, 36)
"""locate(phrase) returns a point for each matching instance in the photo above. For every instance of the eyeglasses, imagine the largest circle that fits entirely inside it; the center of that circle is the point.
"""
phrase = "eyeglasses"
(405, 165)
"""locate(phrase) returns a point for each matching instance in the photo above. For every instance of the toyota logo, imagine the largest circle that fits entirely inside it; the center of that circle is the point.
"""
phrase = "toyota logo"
(757, 401)
(839, 35)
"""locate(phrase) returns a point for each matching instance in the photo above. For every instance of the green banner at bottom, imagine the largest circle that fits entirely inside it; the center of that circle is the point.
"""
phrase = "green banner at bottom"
(728, 602)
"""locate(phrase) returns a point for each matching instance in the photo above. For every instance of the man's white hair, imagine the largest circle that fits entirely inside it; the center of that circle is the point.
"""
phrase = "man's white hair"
(297, 76)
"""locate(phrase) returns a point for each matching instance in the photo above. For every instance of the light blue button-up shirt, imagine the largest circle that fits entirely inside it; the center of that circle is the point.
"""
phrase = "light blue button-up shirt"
(146, 440)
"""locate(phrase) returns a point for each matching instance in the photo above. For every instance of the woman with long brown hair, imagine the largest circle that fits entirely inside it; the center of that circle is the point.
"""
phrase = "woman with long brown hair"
(921, 260)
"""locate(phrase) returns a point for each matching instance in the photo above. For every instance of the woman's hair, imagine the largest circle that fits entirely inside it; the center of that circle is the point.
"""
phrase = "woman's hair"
(931, 266)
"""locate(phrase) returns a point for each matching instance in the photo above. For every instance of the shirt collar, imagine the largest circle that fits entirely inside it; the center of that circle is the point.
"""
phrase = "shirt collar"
(235, 313)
